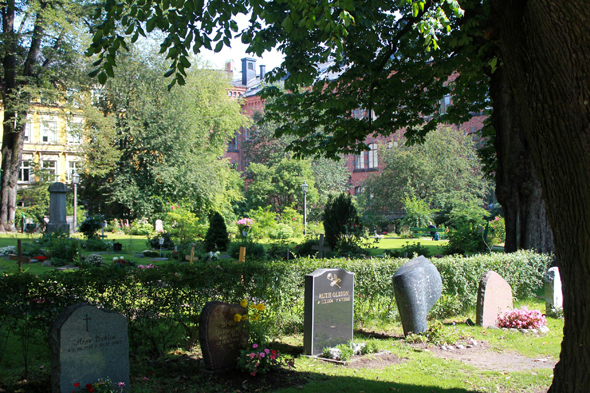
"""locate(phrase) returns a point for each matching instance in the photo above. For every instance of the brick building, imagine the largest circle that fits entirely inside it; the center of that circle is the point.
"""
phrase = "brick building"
(248, 86)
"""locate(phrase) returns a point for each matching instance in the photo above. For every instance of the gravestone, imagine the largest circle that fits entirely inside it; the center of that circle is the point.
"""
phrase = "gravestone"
(329, 309)
(19, 258)
(86, 344)
(159, 226)
(220, 336)
(321, 248)
(57, 208)
(553, 294)
(494, 296)
(417, 286)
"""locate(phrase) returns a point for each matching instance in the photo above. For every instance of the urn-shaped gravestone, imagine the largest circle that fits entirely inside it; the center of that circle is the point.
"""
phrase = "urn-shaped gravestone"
(553, 294)
(57, 208)
(88, 344)
(494, 296)
(417, 286)
(221, 336)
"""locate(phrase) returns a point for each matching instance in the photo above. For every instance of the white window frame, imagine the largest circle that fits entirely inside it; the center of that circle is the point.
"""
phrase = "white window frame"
(359, 161)
(77, 123)
(49, 134)
(55, 166)
(373, 158)
(28, 167)
(70, 169)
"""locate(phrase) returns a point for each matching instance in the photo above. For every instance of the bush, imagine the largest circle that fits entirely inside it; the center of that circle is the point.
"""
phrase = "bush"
(141, 228)
(408, 250)
(418, 213)
(95, 259)
(60, 248)
(341, 220)
(217, 237)
(94, 244)
(522, 319)
(183, 224)
(282, 231)
(154, 242)
(264, 222)
(90, 225)
(254, 251)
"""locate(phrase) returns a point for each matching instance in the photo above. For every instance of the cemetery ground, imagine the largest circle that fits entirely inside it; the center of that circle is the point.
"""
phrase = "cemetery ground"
(502, 361)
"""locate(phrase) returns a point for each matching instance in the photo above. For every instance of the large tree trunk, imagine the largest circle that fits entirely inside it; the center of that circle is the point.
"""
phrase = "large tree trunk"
(518, 188)
(544, 46)
(12, 151)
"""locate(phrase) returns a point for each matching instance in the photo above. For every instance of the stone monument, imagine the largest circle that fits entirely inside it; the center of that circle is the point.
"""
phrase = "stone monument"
(494, 296)
(221, 336)
(417, 286)
(329, 309)
(159, 226)
(87, 344)
(57, 208)
(553, 294)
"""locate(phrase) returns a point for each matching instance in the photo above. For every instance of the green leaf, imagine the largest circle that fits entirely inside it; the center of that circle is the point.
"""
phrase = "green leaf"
(169, 72)
(151, 24)
(219, 46)
(184, 61)
(102, 78)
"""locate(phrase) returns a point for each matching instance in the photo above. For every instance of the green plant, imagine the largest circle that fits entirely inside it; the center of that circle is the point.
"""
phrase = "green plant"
(154, 242)
(418, 212)
(183, 225)
(263, 222)
(408, 250)
(253, 250)
(217, 237)
(259, 360)
(104, 385)
(346, 352)
(90, 225)
(60, 248)
(95, 259)
(522, 319)
(282, 231)
(370, 347)
(94, 244)
(141, 227)
(341, 220)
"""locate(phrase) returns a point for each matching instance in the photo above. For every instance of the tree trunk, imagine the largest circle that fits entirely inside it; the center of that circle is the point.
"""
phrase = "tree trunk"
(12, 151)
(544, 47)
(518, 188)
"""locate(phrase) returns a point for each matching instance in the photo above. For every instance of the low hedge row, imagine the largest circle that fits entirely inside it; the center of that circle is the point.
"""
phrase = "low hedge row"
(163, 304)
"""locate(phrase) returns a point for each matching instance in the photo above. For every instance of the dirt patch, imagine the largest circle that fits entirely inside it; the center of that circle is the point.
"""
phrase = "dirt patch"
(482, 356)
(376, 361)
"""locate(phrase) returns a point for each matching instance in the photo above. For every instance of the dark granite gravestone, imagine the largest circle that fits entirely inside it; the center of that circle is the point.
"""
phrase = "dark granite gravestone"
(221, 337)
(86, 344)
(329, 309)
(57, 208)
(494, 296)
(417, 286)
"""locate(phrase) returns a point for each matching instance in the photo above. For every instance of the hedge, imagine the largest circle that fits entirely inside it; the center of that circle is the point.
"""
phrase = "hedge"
(163, 304)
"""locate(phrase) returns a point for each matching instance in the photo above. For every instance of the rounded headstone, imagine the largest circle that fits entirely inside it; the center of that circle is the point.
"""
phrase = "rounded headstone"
(58, 187)
(494, 296)
(417, 286)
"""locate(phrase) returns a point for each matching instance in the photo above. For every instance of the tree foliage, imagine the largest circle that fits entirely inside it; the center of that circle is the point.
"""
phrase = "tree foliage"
(217, 238)
(442, 169)
(148, 145)
(341, 219)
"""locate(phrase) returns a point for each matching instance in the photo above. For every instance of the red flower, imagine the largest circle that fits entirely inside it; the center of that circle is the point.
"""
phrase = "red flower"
(77, 384)
(89, 387)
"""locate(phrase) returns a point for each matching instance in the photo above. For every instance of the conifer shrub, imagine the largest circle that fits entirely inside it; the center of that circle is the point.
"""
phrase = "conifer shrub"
(217, 238)
(341, 221)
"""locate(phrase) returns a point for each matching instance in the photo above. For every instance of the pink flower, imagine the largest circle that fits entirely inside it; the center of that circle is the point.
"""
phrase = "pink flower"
(253, 373)
(121, 384)
(267, 350)
(252, 355)
(262, 354)
(272, 357)
(254, 345)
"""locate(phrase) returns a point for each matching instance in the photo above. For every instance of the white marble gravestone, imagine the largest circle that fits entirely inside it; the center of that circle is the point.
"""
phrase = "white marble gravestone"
(553, 294)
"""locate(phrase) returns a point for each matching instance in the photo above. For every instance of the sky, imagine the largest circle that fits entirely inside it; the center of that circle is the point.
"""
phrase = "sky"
(238, 51)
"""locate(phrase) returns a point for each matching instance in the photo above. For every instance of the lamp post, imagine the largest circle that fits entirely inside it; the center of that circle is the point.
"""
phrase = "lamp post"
(304, 187)
(75, 180)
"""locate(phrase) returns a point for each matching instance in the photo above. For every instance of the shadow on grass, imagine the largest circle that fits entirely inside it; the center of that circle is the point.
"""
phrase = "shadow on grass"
(376, 335)
(340, 384)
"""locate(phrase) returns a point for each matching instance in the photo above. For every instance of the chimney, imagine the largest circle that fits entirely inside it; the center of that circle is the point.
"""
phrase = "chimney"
(248, 70)
(229, 68)
(262, 72)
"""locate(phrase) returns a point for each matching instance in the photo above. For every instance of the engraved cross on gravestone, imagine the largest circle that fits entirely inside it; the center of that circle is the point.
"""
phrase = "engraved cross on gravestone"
(88, 344)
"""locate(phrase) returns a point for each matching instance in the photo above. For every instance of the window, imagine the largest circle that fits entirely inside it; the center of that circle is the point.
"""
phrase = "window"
(373, 161)
(50, 167)
(74, 130)
(233, 144)
(73, 166)
(358, 113)
(49, 131)
(444, 104)
(24, 174)
(28, 127)
(359, 161)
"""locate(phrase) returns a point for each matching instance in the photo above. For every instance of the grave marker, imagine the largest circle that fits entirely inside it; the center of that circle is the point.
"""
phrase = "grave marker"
(553, 294)
(19, 256)
(329, 309)
(494, 296)
(220, 336)
(242, 256)
(321, 248)
(159, 226)
(87, 344)
(417, 286)
(57, 208)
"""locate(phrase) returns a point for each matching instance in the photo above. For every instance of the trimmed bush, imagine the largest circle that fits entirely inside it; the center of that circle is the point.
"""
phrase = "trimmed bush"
(217, 238)
(341, 220)
(163, 304)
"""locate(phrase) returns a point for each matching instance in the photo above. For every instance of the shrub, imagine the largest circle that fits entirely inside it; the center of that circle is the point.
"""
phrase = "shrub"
(522, 319)
(408, 250)
(294, 221)
(183, 224)
(60, 248)
(217, 237)
(341, 220)
(94, 244)
(418, 213)
(141, 228)
(154, 242)
(253, 250)
(282, 231)
(95, 259)
(264, 222)
(90, 225)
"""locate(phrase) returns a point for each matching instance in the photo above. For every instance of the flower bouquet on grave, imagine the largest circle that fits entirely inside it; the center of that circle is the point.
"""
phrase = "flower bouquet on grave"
(104, 385)
(122, 262)
(244, 225)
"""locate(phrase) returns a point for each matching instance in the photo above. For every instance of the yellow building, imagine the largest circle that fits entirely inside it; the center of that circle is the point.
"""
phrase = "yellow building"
(52, 141)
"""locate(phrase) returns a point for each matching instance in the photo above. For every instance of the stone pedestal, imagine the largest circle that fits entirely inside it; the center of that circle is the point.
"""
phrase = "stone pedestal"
(57, 208)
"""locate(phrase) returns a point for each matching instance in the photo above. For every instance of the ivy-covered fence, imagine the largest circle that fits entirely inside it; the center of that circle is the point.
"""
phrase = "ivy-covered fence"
(163, 304)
